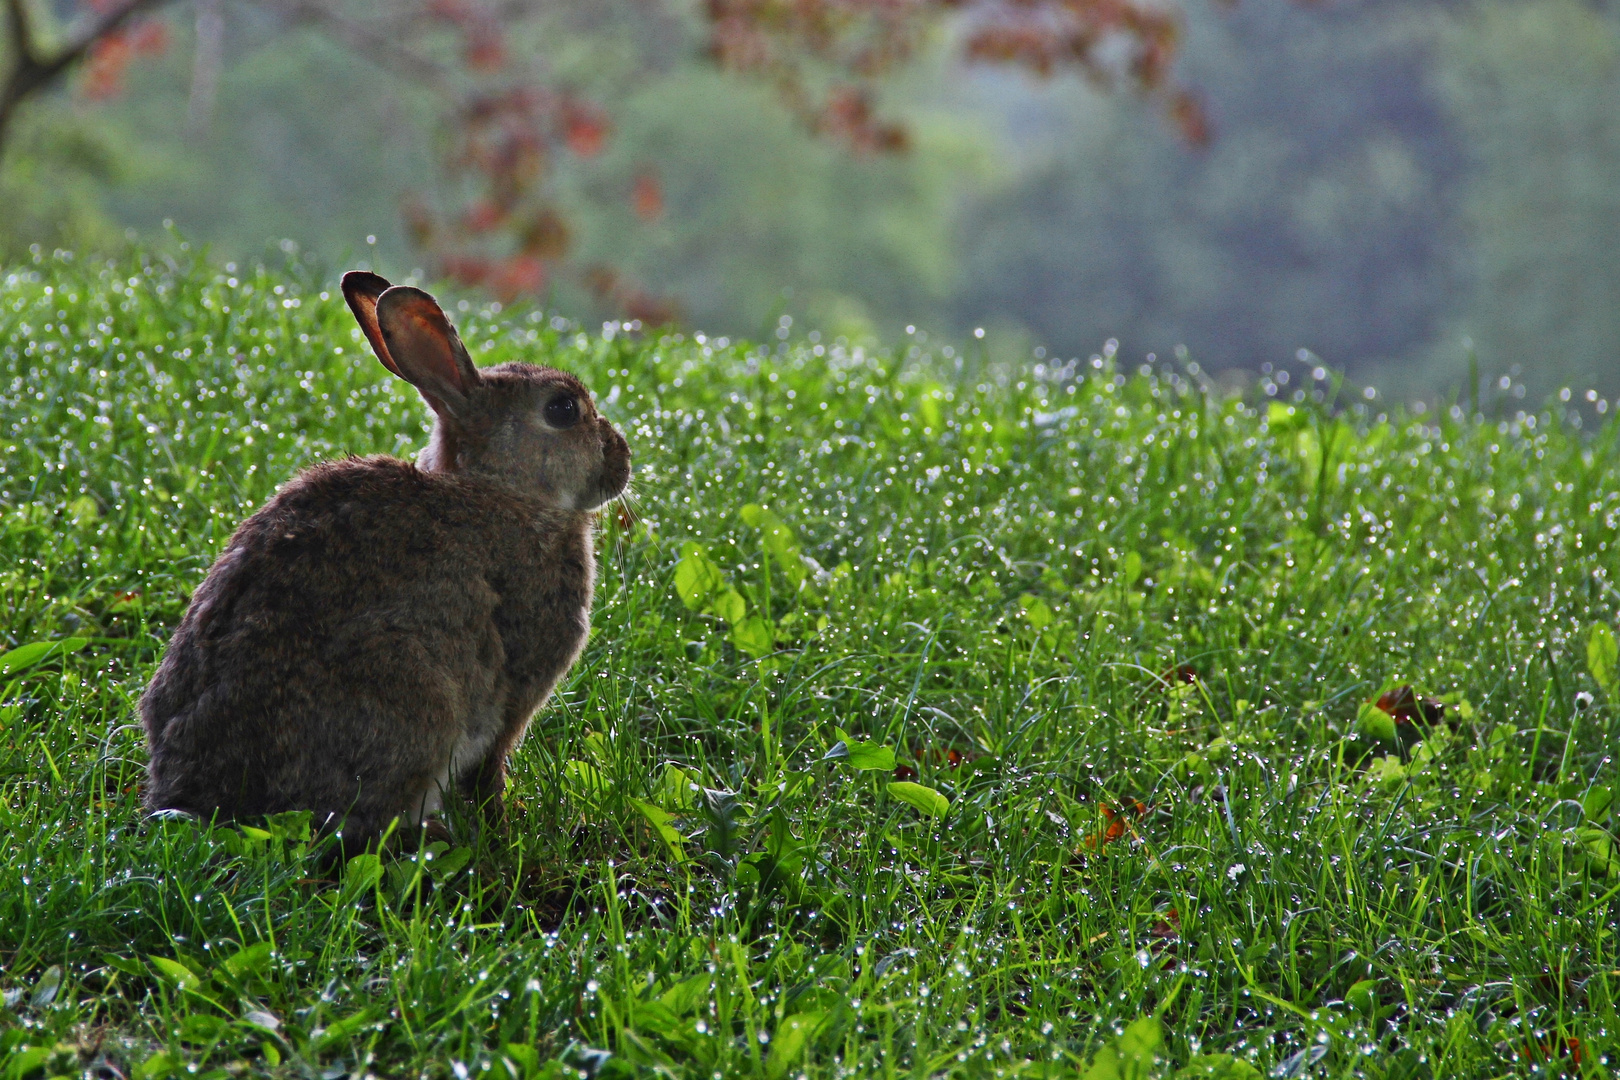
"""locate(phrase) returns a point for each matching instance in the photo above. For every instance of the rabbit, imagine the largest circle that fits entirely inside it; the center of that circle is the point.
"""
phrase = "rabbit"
(381, 632)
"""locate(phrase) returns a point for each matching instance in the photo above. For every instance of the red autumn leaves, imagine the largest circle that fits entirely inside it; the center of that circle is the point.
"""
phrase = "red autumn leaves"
(483, 39)
(647, 197)
(113, 52)
(508, 122)
(821, 55)
(1107, 41)
(509, 234)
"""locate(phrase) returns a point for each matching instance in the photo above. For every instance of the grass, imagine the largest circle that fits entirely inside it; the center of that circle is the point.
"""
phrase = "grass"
(936, 721)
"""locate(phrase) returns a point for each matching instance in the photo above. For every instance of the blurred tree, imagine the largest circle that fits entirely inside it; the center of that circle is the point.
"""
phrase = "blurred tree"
(1389, 176)
(1321, 217)
(759, 219)
(103, 33)
(507, 119)
(1534, 88)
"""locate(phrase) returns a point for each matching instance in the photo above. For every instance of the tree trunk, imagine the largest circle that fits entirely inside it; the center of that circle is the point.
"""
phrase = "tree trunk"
(205, 67)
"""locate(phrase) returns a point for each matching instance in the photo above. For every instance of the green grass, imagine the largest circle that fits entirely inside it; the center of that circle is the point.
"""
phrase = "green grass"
(1125, 626)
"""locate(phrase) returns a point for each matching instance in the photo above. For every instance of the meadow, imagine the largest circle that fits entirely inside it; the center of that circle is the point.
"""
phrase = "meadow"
(938, 719)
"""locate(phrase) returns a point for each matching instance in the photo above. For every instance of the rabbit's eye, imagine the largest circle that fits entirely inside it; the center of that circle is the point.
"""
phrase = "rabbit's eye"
(562, 411)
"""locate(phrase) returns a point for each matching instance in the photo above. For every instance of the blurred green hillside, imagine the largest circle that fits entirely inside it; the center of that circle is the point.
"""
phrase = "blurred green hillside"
(1406, 190)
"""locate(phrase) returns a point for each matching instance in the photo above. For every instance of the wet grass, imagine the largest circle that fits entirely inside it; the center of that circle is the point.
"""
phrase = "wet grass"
(935, 722)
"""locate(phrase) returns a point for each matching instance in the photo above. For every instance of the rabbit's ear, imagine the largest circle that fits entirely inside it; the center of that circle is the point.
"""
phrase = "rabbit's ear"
(425, 348)
(361, 288)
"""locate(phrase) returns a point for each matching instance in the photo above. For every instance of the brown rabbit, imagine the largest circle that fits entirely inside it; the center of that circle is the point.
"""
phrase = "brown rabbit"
(381, 631)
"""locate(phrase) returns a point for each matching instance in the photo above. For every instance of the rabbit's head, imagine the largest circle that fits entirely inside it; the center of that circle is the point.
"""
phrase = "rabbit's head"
(532, 427)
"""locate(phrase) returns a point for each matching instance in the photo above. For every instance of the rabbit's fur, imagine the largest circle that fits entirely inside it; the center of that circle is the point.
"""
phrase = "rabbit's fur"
(381, 631)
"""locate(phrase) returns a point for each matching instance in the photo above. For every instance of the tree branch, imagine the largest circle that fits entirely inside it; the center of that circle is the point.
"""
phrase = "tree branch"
(32, 69)
(81, 43)
(32, 72)
(22, 34)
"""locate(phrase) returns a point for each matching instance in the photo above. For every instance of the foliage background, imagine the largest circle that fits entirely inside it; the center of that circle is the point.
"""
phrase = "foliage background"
(1400, 188)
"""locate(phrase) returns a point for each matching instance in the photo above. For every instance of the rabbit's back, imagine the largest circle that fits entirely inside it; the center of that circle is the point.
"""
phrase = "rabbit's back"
(369, 632)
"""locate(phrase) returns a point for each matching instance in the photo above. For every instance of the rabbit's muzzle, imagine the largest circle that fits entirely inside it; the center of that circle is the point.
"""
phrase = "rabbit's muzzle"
(615, 474)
